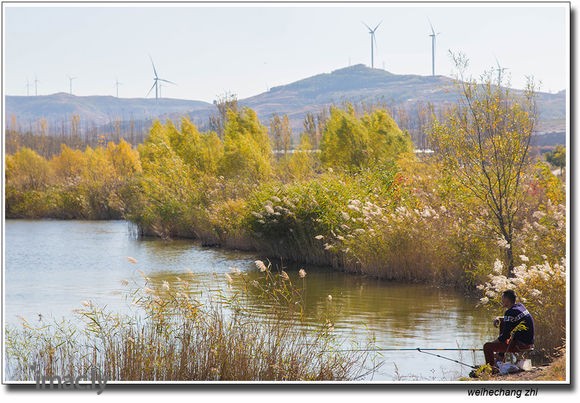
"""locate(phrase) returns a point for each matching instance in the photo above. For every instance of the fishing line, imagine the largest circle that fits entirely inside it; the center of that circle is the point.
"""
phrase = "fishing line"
(408, 349)
(447, 358)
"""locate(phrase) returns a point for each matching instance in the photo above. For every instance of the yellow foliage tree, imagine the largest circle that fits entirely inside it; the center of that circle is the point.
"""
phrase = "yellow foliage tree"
(350, 142)
(484, 142)
(247, 150)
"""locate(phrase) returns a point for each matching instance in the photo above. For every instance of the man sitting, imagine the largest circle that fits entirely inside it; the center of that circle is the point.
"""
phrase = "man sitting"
(508, 340)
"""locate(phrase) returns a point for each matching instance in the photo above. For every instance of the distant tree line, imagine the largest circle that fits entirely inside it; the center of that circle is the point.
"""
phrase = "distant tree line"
(46, 137)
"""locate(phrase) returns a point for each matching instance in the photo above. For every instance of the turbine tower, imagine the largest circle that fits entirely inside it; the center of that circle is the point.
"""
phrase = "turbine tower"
(156, 80)
(27, 87)
(500, 71)
(35, 85)
(433, 36)
(373, 42)
(117, 83)
(70, 81)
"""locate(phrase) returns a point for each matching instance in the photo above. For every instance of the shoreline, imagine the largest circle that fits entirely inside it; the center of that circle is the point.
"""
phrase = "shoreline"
(554, 371)
(254, 249)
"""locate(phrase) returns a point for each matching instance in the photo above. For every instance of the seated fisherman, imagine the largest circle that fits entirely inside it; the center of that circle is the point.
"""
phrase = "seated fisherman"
(521, 340)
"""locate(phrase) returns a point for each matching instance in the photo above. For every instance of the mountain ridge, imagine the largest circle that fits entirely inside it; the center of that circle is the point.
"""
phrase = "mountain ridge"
(355, 84)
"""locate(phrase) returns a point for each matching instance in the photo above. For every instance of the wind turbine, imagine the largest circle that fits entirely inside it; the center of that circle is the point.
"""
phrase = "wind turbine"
(156, 80)
(373, 42)
(35, 85)
(433, 36)
(499, 70)
(27, 87)
(70, 79)
(117, 83)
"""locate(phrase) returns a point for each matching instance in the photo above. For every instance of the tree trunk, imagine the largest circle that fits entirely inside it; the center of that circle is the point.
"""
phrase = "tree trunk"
(510, 260)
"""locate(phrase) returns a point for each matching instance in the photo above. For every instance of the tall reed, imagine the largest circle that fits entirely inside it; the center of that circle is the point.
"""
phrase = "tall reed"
(178, 337)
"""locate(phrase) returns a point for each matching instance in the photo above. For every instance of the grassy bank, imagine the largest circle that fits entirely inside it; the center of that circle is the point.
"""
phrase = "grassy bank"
(553, 371)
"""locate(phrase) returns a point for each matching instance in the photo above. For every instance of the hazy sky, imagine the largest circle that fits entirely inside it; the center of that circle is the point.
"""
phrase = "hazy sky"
(245, 49)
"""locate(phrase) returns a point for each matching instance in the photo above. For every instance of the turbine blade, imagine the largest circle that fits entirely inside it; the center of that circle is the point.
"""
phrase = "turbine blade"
(369, 28)
(377, 26)
(431, 25)
(153, 64)
(155, 82)
(166, 81)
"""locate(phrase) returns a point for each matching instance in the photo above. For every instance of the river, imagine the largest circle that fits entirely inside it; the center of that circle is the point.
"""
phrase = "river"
(52, 266)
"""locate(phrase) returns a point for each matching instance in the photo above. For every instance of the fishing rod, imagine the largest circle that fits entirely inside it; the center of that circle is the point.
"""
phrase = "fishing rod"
(407, 349)
(449, 359)
(425, 351)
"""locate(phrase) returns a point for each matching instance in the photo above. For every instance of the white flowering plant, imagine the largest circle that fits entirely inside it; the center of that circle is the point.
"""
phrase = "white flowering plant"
(542, 289)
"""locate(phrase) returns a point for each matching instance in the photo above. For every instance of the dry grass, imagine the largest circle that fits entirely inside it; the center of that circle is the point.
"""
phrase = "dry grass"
(178, 337)
(556, 371)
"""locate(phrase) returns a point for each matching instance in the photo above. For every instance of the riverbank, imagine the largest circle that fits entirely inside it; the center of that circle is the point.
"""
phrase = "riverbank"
(554, 371)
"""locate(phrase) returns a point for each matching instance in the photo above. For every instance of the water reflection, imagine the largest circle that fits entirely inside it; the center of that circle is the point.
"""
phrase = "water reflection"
(51, 266)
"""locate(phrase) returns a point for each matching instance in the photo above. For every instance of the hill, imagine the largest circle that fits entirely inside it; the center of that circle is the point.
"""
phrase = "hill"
(356, 84)
(95, 109)
(362, 84)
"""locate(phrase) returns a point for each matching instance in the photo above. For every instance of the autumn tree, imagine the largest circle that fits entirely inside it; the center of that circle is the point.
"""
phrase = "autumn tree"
(99, 184)
(350, 142)
(314, 126)
(345, 139)
(28, 175)
(27, 170)
(206, 148)
(386, 140)
(224, 103)
(484, 143)
(75, 125)
(276, 132)
(247, 150)
(167, 183)
(303, 162)
(69, 165)
(124, 158)
(281, 133)
(286, 134)
(310, 127)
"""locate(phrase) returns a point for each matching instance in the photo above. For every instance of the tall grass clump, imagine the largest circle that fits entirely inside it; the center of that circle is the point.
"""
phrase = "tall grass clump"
(177, 336)
(542, 288)
(539, 278)
(291, 221)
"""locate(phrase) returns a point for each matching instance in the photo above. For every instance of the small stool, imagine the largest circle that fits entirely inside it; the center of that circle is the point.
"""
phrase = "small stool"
(521, 358)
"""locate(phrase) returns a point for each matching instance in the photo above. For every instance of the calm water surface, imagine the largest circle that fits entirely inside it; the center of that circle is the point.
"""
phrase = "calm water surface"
(52, 266)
